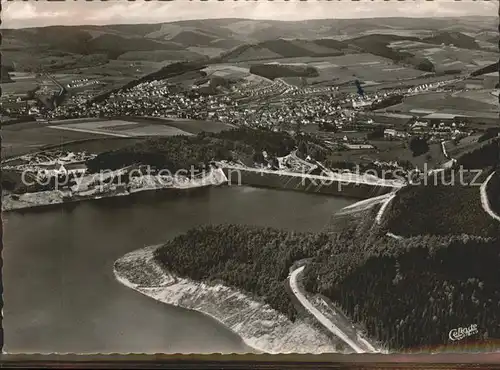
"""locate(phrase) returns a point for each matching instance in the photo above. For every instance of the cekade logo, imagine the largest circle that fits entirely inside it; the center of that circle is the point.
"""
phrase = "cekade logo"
(461, 333)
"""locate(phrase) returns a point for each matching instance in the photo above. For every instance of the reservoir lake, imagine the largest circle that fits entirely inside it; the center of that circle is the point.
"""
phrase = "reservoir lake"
(60, 292)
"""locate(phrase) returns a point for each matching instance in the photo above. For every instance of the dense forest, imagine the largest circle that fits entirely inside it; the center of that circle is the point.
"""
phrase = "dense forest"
(273, 71)
(488, 69)
(181, 152)
(388, 102)
(410, 294)
(256, 260)
(485, 156)
(379, 45)
(493, 191)
(490, 133)
(439, 209)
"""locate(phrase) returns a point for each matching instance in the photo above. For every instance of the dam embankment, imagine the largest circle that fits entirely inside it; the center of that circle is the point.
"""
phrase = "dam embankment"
(345, 186)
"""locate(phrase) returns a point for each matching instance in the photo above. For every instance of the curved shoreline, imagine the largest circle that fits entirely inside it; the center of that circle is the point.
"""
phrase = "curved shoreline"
(256, 323)
(55, 198)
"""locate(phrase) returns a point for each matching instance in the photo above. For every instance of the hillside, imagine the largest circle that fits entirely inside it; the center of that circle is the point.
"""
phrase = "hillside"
(115, 45)
(379, 45)
(488, 69)
(273, 71)
(427, 209)
(371, 278)
(448, 202)
(20, 45)
(192, 38)
(169, 71)
(493, 191)
(451, 250)
(408, 294)
(281, 48)
(452, 38)
(183, 153)
(255, 260)
(485, 154)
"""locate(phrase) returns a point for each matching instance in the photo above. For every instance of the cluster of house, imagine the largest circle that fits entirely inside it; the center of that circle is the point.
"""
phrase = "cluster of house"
(83, 82)
(17, 106)
(158, 98)
(436, 129)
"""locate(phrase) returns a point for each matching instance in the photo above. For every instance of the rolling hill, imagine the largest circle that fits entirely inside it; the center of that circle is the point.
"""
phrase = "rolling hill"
(260, 38)
(281, 48)
(488, 69)
(452, 38)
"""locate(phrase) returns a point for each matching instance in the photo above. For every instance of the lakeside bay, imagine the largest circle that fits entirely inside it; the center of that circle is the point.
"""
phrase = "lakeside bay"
(60, 292)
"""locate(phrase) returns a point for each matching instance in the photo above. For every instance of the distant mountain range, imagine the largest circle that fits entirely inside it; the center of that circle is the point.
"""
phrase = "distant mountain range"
(235, 38)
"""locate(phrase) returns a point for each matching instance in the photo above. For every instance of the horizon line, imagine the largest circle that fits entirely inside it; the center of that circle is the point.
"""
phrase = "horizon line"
(246, 19)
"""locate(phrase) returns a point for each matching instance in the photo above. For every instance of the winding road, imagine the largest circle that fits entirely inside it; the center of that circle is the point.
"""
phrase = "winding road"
(343, 328)
(484, 198)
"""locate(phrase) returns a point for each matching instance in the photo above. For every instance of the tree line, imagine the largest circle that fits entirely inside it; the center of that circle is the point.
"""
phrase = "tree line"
(439, 209)
(408, 293)
(255, 260)
(182, 152)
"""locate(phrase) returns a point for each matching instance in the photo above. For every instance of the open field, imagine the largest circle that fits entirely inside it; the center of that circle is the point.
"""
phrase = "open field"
(21, 86)
(121, 128)
(32, 136)
(236, 74)
(118, 68)
(398, 32)
(345, 68)
(403, 84)
(114, 74)
(482, 96)
(447, 103)
(445, 57)
(186, 125)
(233, 72)
(18, 142)
(388, 151)
(159, 56)
(98, 145)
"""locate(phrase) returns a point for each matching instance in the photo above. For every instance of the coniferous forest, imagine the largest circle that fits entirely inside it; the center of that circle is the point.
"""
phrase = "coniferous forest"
(183, 153)
(408, 294)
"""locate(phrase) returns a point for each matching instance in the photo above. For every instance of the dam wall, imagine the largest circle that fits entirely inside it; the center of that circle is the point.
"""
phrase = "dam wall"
(296, 182)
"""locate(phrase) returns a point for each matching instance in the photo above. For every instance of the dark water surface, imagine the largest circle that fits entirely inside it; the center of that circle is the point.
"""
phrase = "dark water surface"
(60, 292)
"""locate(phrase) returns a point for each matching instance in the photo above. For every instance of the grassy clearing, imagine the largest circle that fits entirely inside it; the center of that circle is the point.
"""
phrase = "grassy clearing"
(19, 86)
(98, 145)
(190, 126)
(441, 101)
(392, 150)
(18, 142)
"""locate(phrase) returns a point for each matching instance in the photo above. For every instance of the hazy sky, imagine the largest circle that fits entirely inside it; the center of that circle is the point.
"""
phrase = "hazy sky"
(17, 13)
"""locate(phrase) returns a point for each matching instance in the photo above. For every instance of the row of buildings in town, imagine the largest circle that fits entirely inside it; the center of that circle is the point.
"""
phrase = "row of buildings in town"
(157, 98)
